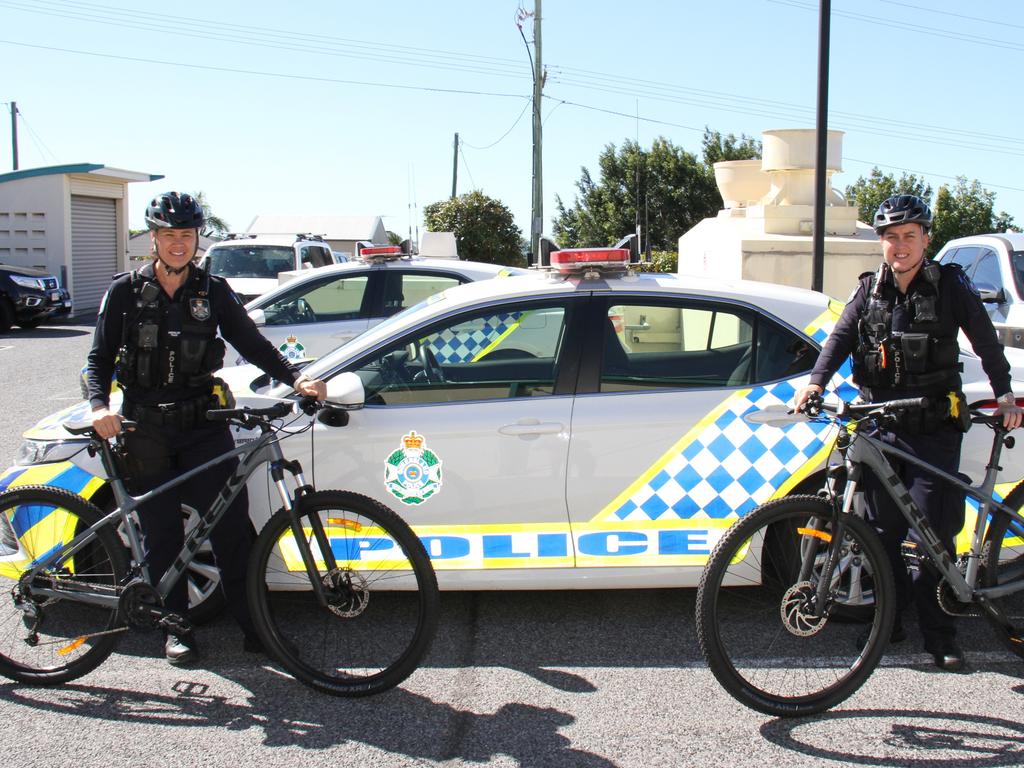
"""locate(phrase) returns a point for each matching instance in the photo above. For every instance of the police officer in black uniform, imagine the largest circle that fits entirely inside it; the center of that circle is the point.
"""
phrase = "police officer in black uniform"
(157, 328)
(901, 326)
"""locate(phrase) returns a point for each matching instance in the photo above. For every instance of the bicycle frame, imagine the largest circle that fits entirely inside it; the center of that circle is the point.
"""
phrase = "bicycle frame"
(867, 451)
(266, 448)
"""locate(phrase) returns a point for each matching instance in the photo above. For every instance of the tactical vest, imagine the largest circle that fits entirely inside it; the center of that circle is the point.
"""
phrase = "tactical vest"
(924, 356)
(170, 343)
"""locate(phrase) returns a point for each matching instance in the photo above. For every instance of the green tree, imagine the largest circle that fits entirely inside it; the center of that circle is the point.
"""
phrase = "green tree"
(717, 148)
(665, 187)
(213, 224)
(868, 193)
(963, 210)
(394, 238)
(484, 228)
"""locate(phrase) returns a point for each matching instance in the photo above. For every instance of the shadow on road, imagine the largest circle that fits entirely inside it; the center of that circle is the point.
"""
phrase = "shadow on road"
(920, 738)
(399, 722)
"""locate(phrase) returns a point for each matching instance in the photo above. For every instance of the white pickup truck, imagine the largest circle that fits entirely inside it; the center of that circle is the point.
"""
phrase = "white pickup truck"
(251, 263)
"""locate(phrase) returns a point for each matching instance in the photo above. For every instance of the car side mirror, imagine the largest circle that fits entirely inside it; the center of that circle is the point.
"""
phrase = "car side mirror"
(991, 295)
(346, 390)
(258, 316)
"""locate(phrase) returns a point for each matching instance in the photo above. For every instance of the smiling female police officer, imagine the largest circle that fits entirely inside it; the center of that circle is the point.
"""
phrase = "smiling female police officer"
(158, 328)
(901, 326)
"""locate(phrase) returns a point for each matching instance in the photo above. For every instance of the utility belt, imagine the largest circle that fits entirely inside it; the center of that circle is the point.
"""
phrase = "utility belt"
(182, 415)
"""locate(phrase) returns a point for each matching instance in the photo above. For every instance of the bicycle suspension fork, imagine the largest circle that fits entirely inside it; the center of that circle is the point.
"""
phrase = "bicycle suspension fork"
(292, 504)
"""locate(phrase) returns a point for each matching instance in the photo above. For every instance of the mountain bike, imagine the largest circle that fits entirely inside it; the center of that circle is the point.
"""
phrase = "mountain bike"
(797, 602)
(342, 592)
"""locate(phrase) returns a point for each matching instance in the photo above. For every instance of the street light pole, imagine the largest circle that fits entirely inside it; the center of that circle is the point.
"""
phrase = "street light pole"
(821, 135)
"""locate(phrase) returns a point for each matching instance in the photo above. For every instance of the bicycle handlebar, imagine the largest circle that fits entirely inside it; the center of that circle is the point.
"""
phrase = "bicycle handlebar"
(275, 411)
(815, 405)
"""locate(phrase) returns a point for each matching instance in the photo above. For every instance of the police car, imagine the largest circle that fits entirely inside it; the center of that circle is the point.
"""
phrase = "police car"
(311, 312)
(578, 427)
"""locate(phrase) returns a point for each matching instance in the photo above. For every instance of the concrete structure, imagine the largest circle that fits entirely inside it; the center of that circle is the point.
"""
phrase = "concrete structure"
(341, 232)
(764, 231)
(70, 220)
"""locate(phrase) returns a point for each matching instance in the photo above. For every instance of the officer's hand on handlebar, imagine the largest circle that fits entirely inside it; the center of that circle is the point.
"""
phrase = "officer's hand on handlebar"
(1011, 413)
(311, 388)
(106, 422)
(801, 396)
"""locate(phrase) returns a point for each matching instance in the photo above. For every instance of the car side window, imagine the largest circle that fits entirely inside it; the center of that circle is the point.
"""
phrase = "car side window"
(323, 301)
(484, 355)
(987, 272)
(965, 256)
(689, 345)
(406, 289)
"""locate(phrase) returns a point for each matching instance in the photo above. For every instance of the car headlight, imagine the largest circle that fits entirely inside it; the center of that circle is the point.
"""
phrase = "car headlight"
(47, 451)
(29, 282)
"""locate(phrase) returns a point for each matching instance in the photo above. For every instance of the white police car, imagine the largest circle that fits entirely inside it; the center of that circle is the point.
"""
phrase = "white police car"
(311, 312)
(580, 428)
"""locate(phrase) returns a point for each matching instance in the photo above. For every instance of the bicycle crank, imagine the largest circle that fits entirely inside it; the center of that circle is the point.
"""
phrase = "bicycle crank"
(797, 610)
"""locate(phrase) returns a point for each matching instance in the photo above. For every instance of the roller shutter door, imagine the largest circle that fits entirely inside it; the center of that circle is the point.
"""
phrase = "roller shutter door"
(93, 249)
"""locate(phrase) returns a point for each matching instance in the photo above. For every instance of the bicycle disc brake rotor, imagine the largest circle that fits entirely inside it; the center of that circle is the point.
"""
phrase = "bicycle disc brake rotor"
(797, 610)
(347, 593)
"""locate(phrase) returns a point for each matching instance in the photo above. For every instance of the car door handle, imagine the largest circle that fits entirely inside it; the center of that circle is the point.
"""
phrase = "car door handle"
(532, 427)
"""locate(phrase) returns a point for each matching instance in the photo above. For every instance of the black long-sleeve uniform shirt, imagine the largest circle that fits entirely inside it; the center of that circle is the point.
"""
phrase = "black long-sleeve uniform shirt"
(958, 307)
(233, 323)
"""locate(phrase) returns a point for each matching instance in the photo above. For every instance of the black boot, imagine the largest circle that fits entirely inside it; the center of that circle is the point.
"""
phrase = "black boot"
(181, 650)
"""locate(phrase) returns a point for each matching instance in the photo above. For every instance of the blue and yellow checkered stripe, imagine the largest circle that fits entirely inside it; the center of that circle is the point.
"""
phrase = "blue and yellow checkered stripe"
(451, 347)
(724, 466)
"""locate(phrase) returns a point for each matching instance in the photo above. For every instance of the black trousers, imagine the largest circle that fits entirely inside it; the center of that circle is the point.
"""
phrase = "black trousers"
(158, 454)
(942, 505)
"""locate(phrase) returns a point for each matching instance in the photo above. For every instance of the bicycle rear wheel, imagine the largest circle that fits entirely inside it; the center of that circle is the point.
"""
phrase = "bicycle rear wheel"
(50, 640)
(1003, 559)
(755, 618)
(383, 601)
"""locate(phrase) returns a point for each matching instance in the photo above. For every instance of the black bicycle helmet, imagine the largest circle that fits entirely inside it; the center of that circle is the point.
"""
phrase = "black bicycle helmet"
(903, 209)
(173, 210)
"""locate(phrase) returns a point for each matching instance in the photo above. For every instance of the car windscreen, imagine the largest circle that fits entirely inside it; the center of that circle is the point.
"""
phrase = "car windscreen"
(250, 260)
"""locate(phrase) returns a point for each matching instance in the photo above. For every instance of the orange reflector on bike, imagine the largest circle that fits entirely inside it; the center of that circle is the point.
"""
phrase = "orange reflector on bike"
(344, 522)
(824, 536)
(77, 642)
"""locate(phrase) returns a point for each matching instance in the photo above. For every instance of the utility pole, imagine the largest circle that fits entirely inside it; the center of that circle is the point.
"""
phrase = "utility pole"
(455, 164)
(537, 216)
(14, 133)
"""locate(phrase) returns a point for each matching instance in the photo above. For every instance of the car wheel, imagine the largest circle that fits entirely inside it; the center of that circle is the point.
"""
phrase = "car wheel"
(206, 599)
(6, 315)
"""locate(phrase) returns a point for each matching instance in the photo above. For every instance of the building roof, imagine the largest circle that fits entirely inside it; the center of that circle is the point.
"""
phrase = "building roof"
(91, 168)
(330, 227)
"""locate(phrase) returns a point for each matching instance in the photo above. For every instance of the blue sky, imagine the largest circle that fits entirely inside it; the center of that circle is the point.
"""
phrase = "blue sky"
(350, 108)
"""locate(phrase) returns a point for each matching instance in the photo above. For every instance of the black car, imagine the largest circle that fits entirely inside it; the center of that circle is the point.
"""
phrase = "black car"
(29, 296)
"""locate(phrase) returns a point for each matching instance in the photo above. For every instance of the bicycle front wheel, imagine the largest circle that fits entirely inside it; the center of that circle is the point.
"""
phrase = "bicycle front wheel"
(1003, 559)
(50, 639)
(756, 619)
(382, 598)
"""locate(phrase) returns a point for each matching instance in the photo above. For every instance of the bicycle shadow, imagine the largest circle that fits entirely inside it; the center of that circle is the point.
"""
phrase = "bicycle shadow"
(919, 737)
(536, 633)
(290, 715)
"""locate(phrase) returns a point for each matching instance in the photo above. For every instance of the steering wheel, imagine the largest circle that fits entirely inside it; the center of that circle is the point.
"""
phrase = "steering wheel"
(304, 312)
(432, 370)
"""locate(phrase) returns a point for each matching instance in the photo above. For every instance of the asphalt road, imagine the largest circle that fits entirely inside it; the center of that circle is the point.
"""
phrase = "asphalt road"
(610, 678)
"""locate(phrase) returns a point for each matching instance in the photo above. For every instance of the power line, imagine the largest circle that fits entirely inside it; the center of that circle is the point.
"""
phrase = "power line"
(309, 78)
(896, 23)
(506, 133)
